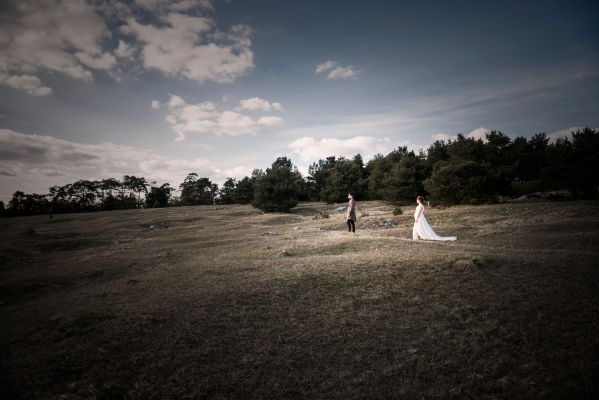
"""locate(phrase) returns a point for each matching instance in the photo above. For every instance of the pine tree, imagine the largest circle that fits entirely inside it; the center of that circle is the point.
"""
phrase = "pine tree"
(277, 189)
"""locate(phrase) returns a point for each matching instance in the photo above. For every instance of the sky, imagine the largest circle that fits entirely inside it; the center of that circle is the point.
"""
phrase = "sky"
(93, 89)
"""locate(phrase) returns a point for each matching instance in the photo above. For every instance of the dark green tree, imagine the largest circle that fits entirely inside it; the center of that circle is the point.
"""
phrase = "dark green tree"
(502, 164)
(246, 187)
(159, 196)
(375, 170)
(28, 204)
(466, 149)
(435, 153)
(344, 177)
(83, 195)
(556, 173)
(459, 182)
(112, 194)
(277, 189)
(318, 175)
(386, 174)
(195, 191)
(584, 177)
(227, 193)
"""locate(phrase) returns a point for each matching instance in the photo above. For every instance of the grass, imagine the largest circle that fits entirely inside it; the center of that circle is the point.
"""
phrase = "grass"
(222, 303)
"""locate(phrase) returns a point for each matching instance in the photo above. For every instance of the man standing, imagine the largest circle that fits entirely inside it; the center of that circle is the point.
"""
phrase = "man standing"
(351, 213)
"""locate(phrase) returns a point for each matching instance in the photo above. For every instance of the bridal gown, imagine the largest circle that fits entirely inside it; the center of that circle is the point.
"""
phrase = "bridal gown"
(422, 230)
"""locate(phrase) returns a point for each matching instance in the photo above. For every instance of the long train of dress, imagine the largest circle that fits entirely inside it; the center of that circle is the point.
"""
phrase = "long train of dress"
(422, 230)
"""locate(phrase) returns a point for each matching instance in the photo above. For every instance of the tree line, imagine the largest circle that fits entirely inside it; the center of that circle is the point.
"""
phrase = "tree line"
(459, 171)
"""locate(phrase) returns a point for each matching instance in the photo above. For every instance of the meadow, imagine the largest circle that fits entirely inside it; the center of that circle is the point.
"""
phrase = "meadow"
(227, 302)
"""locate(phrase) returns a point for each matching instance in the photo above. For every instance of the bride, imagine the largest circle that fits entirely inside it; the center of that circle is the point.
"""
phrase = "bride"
(422, 230)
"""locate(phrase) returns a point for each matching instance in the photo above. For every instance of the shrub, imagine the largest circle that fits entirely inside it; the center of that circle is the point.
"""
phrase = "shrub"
(397, 211)
(322, 215)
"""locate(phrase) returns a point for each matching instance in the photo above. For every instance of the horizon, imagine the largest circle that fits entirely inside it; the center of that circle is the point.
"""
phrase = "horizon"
(99, 89)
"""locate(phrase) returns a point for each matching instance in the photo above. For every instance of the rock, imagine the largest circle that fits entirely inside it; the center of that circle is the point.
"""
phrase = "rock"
(341, 209)
(158, 225)
(387, 223)
(270, 233)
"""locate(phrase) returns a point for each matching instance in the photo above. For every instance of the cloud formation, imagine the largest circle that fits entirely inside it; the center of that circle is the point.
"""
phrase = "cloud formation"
(64, 37)
(309, 149)
(256, 103)
(175, 5)
(27, 161)
(190, 47)
(563, 133)
(29, 83)
(478, 133)
(77, 38)
(207, 118)
(333, 70)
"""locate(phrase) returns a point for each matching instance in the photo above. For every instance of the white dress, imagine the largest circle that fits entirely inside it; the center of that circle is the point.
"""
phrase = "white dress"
(422, 230)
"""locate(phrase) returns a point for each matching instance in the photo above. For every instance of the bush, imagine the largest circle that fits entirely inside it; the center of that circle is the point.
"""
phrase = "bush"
(322, 215)
(397, 211)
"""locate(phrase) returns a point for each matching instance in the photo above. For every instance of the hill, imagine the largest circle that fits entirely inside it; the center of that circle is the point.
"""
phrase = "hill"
(227, 302)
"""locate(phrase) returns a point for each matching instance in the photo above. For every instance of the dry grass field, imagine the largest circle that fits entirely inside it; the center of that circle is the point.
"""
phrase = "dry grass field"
(228, 303)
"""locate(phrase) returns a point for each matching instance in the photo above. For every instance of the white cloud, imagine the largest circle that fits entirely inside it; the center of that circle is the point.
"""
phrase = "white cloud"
(175, 5)
(104, 61)
(29, 83)
(563, 133)
(234, 123)
(325, 66)
(336, 71)
(156, 104)
(207, 118)
(64, 37)
(442, 137)
(112, 10)
(124, 50)
(479, 133)
(256, 103)
(309, 149)
(277, 106)
(73, 37)
(342, 73)
(176, 101)
(236, 172)
(270, 121)
(34, 162)
(186, 46)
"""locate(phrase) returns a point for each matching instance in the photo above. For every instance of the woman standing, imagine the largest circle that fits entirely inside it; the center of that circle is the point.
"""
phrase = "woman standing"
(422, 230)
(351, 213)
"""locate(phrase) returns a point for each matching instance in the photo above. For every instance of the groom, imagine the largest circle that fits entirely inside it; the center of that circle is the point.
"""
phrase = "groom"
(351, 213)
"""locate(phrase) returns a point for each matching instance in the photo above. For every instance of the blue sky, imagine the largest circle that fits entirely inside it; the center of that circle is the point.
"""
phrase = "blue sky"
(94, 89)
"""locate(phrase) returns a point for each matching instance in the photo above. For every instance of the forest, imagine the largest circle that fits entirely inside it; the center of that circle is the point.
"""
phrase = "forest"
(460, 171)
